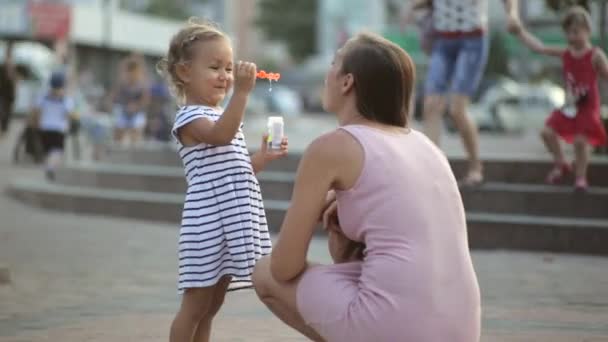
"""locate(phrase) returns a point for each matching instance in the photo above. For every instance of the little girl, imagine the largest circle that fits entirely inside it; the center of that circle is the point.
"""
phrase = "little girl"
(224, 230)
(579, 120)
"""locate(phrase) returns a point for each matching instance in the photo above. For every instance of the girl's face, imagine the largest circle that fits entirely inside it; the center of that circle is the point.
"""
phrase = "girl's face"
(208, 76)
(578, 35)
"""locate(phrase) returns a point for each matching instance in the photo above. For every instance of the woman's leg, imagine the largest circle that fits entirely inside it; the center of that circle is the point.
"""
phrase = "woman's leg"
(196, 304)
(280, 298)
(468, 132)
(468, 72)
(203, 329)
(441, 67)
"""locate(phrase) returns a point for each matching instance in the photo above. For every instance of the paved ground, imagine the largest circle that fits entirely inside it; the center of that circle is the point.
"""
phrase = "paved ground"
(79, 278)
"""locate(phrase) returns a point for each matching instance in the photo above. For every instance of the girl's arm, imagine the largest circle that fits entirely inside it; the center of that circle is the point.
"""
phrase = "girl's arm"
(224, 129)
(536, 44)
(600, 63)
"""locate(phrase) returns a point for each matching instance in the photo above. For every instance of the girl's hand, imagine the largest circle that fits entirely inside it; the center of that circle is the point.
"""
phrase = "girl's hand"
(269, 155)
(266, 155)
(244, 77)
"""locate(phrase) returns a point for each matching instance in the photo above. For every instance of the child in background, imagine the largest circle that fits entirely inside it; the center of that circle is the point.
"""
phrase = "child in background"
(224, 230)
(579, 120)
(52, 116)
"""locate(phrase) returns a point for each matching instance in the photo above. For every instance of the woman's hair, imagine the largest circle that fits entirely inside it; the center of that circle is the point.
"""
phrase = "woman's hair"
(181, 49)
(384, 76)
(578, 16)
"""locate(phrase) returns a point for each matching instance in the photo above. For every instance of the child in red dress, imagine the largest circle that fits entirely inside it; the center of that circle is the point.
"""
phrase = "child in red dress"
(578, 121)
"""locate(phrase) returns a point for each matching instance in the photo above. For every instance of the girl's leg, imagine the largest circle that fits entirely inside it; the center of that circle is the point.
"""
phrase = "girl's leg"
(203, 329)
(561, 166)
(280, 298)
(196, 303)
(553, 146)
(581, 160)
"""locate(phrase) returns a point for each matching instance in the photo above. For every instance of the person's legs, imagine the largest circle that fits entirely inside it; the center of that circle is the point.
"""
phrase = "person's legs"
(196, 304)
(552, 144)
(5, 116)
(469, 69)
(280, 298)
(441, 67)
(470, 138)
(581, 161)
(203, 329)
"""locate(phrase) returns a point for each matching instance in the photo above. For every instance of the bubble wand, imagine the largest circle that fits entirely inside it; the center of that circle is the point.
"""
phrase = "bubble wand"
(270, 76)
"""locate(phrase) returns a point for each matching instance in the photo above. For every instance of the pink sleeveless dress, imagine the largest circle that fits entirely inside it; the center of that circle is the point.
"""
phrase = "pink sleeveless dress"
(416, 282)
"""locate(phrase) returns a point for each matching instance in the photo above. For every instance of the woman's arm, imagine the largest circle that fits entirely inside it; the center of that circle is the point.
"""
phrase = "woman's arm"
(317, 174)
(408, 12)
(536, 44)
(600, 63)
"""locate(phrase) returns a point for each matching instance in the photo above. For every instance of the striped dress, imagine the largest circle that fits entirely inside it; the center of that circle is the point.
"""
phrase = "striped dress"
(224, 229)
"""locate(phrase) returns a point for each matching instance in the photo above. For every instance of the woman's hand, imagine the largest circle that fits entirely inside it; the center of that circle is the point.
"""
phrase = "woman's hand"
(330, 210)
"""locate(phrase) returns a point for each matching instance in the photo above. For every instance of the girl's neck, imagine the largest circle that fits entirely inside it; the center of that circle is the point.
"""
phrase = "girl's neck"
(579, 50)
(197, 101)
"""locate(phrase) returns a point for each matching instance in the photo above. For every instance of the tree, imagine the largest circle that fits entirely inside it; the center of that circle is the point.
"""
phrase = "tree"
(292, 22)
(558, 5)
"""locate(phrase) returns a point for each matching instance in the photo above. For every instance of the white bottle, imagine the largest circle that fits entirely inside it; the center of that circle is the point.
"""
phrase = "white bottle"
(275, 132)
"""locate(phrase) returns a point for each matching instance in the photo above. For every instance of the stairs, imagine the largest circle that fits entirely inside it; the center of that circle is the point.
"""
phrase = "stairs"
(512, 210)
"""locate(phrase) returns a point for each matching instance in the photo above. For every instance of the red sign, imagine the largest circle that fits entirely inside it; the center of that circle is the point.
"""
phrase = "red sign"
(49, 20)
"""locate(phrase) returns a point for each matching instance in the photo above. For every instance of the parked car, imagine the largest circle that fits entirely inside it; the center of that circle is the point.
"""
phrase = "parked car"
(512, 107)
(34, 65)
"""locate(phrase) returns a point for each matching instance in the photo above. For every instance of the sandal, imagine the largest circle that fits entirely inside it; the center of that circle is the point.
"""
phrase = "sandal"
(557, 173)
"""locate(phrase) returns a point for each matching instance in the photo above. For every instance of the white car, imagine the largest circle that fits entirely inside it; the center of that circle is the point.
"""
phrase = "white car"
(513, 107)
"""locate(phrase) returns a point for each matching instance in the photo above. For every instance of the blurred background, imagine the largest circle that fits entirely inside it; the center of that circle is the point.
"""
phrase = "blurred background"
(296, 38)
(90, 255)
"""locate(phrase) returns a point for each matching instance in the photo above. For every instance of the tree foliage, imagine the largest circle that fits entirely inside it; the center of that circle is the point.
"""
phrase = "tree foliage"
(292, 22)
(558, 5)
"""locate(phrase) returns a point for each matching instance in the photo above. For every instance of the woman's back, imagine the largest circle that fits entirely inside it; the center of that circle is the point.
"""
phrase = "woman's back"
(407, 209)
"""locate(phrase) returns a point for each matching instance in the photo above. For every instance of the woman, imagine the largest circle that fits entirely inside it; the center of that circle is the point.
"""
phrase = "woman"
(396, 196)
(459, 52)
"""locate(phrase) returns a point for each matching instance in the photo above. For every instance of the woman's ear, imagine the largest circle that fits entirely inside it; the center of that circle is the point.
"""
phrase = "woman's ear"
(348, 83)
(183, 72)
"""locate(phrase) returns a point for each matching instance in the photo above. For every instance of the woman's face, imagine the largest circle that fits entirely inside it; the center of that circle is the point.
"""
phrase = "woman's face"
(332, 92)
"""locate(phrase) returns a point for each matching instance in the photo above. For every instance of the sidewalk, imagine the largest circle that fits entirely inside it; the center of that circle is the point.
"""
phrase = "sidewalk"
(78, 278)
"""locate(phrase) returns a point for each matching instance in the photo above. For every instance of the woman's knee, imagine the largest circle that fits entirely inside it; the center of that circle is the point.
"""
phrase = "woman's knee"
(262, 277)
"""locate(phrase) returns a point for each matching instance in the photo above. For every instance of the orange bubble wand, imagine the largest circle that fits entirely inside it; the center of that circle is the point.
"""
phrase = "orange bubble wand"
(270, 76)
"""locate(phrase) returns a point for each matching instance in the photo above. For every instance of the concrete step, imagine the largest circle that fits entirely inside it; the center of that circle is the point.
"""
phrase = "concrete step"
(275, 184)
(486, 230)
(168, 156)
(154, 206)
(531, 199)
(508, 169)
(534, 199)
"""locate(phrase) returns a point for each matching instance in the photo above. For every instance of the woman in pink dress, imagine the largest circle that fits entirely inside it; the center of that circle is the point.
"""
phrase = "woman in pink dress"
(396, 197)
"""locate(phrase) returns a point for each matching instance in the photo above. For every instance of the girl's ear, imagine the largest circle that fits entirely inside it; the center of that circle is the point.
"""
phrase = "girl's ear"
(183, 72)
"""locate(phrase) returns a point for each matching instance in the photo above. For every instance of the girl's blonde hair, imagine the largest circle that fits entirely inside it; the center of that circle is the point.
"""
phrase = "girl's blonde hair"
(576, 15)
(181, 50)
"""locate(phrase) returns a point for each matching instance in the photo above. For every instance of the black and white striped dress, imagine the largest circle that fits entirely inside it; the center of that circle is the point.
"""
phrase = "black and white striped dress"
(224, 229)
